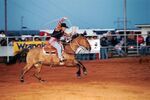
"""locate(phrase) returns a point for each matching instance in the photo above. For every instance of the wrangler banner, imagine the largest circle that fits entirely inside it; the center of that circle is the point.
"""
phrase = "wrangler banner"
(29, 44)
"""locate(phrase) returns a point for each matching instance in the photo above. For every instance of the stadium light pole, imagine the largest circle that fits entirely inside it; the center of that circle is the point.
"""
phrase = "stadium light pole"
(21, 25)
(125, 22)
(5, 11)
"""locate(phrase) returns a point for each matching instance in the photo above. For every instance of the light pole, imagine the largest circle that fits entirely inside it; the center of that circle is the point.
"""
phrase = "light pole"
(5, 3)
(21, 24)
(125, 23)
(22, 18)
(125, 16)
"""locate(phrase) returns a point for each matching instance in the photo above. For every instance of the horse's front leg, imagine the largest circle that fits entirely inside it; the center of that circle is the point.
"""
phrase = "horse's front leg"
(78, 73)
(37, 72)
(83, 68)
(25, 69)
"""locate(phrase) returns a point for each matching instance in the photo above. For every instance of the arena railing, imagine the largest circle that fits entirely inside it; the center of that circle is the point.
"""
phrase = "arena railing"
(131, 47)
(133, 50)
(6, 47)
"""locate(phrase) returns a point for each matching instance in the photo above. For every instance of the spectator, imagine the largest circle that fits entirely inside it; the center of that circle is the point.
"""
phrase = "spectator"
(2, 38)
(84, 33)
(131, 42)
(119, 50)
(104, 48)
(3, 42)
(2, 34)
(114, 41)
(118, 37)
(11, 43)
(110, 43)
(37, 39)
(148, 42)
(140, 39)
(45, 36)
(143, 49)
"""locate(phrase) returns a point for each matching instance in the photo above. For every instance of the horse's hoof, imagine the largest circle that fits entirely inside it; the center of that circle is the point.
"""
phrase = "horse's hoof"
(21, 81)
(78, 76)
(85, 72)
(42, 81)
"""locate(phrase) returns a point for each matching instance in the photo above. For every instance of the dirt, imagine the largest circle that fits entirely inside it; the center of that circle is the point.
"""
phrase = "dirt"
(112, 79)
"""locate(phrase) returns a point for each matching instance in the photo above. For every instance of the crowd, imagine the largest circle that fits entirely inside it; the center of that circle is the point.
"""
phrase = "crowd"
(2, 38)
(3, 41)
(11, 40)
(110, 44)
(145, 47)
(116, 44)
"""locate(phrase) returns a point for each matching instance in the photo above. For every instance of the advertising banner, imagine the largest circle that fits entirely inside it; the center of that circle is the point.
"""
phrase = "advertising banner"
(18, 46)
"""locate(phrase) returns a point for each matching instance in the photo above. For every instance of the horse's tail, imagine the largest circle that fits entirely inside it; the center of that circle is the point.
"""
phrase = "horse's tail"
(20, 56)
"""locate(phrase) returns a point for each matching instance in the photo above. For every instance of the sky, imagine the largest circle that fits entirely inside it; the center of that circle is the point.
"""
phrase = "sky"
(43, 14)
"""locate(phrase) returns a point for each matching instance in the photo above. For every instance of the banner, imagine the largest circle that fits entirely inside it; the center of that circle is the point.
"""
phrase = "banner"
(18, 46)
(95, 45)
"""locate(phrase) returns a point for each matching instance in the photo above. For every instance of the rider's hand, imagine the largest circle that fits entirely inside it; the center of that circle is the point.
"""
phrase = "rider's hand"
(65, 18)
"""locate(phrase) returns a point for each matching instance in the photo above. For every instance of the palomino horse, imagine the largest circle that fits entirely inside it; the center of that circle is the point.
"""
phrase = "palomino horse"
(36, 57)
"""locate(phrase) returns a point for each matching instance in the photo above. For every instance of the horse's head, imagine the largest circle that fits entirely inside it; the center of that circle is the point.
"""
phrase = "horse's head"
(81, 40)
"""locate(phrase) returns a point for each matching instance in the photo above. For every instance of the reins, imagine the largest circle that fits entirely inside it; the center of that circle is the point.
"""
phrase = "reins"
(76, 43)
(72, 47)
(70, 44)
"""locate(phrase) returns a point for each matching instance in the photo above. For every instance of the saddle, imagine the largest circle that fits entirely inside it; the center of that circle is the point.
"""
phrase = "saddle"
(49, 49)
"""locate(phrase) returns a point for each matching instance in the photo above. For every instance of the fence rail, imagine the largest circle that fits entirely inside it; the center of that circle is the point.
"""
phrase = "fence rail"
(131, 47)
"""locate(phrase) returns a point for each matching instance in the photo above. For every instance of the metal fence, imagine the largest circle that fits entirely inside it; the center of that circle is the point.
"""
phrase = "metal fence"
(131, 46)
(134, 44)
(6, 44)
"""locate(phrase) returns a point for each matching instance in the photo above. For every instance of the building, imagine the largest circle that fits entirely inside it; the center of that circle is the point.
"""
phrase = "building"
(145, 28)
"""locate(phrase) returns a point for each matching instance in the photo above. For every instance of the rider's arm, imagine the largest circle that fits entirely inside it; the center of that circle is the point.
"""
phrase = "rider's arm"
(67, 34)
(58, 27)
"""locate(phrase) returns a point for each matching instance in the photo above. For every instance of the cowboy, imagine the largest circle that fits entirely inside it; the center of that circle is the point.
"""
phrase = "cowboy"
(57, 34)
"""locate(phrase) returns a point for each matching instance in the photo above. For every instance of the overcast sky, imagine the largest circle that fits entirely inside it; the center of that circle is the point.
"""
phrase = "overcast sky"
(42, 14)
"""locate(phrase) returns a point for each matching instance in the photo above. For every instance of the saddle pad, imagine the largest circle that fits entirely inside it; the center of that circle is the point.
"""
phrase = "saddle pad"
(50, 50)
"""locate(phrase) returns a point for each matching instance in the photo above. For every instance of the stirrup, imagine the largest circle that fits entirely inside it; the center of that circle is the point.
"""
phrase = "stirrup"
(61, 62)
(61, 59)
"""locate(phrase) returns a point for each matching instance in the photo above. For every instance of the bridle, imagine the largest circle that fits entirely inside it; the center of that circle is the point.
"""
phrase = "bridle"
(77, 43)
(72, 47)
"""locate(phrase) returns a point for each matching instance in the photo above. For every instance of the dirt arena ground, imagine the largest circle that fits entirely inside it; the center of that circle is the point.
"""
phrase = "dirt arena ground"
(113, 79)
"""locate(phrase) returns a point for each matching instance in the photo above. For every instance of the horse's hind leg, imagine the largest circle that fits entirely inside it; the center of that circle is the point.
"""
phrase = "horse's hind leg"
(37, 72)
(83, 68)
(79, 70)
(25, 69)
(78, 73)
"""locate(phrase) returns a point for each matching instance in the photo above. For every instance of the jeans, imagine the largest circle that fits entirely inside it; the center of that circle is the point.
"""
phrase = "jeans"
(55, 44)
(120, 52)
(144, 50)
(148, 50)
(104, 53)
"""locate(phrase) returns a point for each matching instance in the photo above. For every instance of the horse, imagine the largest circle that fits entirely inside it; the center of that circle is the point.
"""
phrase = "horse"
(36, 57)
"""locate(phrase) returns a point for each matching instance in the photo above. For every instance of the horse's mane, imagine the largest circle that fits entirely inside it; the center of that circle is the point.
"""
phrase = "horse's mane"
(76, 35)
(72, 38)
